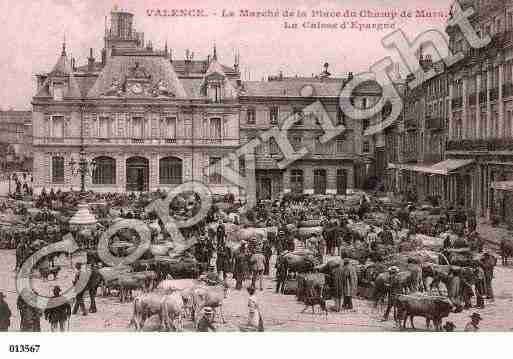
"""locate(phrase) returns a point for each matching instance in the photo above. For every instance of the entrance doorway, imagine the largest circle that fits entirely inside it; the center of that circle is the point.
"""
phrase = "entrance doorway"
(265, 189)
(320, 181)
(137, 174)
(341, 181)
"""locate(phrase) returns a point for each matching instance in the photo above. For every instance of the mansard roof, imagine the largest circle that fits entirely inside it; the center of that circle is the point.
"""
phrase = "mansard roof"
(157, 71)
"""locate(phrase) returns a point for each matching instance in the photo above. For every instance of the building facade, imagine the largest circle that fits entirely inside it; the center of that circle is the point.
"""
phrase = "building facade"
(143, 119)
(146, 120)
(16, 140)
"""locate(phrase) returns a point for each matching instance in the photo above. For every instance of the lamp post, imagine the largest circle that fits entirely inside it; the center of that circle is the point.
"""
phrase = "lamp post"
(82, 167)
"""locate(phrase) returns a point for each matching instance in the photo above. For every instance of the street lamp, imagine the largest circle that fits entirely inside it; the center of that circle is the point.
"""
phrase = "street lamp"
(82, 167)
(83, 217)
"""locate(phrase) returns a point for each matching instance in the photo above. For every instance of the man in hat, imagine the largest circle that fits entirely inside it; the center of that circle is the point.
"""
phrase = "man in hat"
(79, 299)
(488, 264)
(5, 314)
(58, 316)
(473, 325)
(205, 324)
(349, 284)
(393, 289)
(257, 262)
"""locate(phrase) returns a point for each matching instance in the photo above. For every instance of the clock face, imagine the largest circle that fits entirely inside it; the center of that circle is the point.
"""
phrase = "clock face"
(137, 88)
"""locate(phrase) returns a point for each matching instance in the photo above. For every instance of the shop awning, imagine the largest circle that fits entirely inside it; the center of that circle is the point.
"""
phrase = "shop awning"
(443, 168)
(446, 167)
(503, 185)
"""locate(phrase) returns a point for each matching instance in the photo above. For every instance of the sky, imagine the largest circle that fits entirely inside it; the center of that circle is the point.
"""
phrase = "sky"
(32, 33)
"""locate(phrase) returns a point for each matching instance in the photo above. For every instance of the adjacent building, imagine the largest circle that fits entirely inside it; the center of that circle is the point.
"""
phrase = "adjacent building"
(16, 140)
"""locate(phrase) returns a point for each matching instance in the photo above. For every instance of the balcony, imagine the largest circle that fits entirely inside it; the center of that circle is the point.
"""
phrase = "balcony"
(485, 145)
(435, 123)
(457, 102)
(410, 123)
(170, 140)
(494, 94)
(137, 141)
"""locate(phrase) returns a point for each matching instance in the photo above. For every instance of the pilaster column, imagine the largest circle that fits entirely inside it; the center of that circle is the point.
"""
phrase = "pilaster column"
(451, 92)
(489, 128)
(501, 102)
(464, 122)
(478, 106)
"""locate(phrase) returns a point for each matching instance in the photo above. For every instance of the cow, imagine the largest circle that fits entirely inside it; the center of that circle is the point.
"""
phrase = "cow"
(149, 278)
(127, 284)
(405, 278)
(208, 296)
(145, 306)
(298, 262)
(432, 308)
(185, 287)
(506, 247)
(307, 281)
(172, 311)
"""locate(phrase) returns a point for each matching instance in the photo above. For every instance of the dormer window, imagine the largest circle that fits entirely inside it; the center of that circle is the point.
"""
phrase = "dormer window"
(215, 92)
(58, 126)
(58, 91)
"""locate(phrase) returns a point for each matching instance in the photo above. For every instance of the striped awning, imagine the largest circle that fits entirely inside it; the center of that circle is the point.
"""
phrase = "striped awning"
(502, 185)
(443, 168)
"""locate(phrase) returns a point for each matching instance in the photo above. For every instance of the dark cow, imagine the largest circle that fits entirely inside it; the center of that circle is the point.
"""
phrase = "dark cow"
(432, 308)
(506, 250)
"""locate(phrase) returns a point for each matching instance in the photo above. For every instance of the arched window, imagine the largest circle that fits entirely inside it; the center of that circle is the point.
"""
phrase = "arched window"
(58, 169)
(170, 170)
(105, 171)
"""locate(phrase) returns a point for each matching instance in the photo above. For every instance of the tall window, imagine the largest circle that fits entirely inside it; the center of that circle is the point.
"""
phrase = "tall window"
(137, 127)
(296, 142)
(103, 127)
(58, 126)
(170, 128)
(215, 170)
(298, 113)
(273, 146)
(242, 166)
(251, 114)
(366, 147)
(105, 171)
(215, 129)
(170, 170)
(273, 115)
(58, 91)
(296, 181)
(340, 145)
(58, 169)
(341, 117)
(365, 123)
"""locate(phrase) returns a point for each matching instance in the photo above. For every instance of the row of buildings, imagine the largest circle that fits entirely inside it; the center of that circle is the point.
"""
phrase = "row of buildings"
(144, 120)
(455, 141)
(147, 120)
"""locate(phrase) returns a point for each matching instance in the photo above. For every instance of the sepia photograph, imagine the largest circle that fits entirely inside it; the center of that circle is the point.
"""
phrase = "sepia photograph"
(257, 166)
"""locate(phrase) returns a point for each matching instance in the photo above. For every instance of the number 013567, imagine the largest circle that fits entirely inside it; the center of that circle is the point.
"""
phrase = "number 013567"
(24, 348)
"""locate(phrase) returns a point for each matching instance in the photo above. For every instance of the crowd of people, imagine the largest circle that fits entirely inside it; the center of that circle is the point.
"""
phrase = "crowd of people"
(338, 220)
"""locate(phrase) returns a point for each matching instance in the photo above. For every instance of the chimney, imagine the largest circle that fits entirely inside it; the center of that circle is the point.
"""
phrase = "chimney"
(90, 61)
(349, 76)
(280, 76)
(104, 57)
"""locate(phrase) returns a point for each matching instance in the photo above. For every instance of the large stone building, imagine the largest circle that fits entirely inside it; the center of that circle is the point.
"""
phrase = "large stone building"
(147, 120)
(464, 116)
(15, 140)
(327, 168)
(480, 120)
